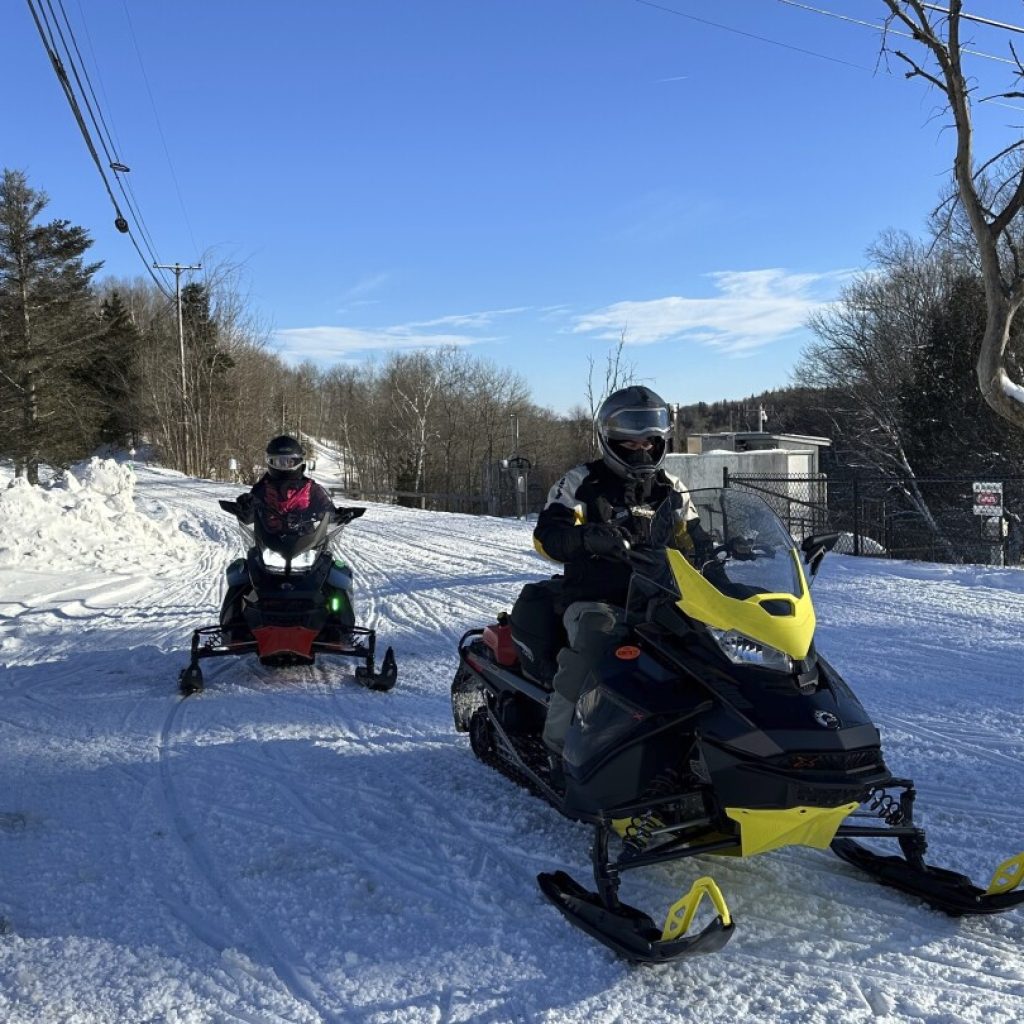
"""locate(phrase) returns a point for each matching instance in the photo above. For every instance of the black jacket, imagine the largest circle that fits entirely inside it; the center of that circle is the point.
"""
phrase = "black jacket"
(288, 495)
(593, 493)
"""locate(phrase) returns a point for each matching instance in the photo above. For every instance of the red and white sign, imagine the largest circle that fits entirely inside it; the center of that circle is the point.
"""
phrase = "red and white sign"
(988, 499)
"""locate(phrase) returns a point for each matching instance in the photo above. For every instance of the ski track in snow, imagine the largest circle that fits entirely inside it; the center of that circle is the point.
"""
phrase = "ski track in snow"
(290, 847)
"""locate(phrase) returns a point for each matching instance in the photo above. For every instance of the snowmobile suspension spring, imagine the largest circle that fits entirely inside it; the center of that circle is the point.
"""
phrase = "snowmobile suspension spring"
(639, 830)
(886, 806)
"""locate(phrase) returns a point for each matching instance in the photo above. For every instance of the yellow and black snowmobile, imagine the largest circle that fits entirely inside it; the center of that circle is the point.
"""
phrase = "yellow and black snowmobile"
(715, 728)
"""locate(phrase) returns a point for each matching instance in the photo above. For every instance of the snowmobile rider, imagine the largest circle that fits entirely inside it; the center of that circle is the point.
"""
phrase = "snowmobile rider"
(284, 487)
(592, 514)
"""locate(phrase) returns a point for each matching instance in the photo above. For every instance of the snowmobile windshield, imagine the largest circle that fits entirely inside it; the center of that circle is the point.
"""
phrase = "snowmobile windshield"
(744, 582)
(752, 552)
(290, 535)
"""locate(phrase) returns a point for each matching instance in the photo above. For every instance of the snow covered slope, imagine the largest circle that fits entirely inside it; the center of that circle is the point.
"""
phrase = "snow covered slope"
(289, 847)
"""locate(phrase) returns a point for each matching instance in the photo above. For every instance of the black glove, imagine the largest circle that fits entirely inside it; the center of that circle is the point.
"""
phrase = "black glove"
(346, 515)
(245, 503)
(741, 549)
(604, 541)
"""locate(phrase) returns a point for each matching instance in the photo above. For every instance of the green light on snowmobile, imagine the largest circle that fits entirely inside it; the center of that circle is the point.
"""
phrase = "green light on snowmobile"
(335, 602)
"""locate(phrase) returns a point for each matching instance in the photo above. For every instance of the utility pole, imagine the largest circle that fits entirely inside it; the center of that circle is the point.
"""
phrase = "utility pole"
(178, 269)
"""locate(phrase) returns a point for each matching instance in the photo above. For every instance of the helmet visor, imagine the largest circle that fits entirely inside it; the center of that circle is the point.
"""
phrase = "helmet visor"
(284, 461)
(632, 424)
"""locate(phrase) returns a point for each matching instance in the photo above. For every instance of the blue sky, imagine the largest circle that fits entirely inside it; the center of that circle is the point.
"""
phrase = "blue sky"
(528, 178)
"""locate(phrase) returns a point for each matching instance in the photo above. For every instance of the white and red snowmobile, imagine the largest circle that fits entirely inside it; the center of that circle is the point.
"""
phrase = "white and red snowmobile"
(289, 599)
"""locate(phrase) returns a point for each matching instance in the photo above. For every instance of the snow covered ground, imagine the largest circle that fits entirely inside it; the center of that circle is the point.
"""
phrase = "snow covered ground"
(289, 847)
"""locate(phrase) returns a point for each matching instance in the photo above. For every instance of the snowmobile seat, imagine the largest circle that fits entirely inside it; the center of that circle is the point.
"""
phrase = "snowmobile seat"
(537, 629)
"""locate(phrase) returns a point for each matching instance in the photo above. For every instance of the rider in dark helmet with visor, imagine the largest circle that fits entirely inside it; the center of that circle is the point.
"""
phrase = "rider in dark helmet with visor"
(284, 487)
(591, 517)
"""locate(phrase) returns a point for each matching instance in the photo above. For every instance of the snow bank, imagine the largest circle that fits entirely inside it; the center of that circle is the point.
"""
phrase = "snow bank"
(85, 517)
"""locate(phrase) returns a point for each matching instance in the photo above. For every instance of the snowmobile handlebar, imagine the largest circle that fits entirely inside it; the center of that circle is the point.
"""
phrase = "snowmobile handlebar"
(343, 516)
(244, 509)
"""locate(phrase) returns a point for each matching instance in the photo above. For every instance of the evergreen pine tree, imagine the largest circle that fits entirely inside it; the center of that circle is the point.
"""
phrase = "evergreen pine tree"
(47, 331)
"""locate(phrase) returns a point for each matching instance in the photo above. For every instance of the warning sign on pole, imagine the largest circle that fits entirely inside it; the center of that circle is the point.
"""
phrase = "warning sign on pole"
(988, 499)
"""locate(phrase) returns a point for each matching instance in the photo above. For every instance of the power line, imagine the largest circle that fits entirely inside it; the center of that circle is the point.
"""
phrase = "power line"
(752, 35)
(159, 126)
(115, 164)
(890, 31)
(49, 44)
(974, 17)
(98, 121)
(100, 124)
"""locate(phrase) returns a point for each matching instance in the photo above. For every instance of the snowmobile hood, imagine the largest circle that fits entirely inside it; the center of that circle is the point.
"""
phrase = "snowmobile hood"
(780, 619)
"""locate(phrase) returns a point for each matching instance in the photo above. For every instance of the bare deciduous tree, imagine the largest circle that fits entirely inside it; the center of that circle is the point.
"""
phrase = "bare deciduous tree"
(618, 373)
(991, 205)
(863, 356)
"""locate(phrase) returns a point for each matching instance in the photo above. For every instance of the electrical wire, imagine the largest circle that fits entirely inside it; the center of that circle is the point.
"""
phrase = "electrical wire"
(121, 175)
(889, 31)
(159, 126)
(99, 122)
(825, 56)
(752, 35)
(49, 44)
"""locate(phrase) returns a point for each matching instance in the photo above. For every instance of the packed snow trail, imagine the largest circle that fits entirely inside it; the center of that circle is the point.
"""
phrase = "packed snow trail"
(288, 846)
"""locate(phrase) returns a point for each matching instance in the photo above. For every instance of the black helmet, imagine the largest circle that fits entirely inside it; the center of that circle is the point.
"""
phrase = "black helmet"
(633, 414)
(285, 460)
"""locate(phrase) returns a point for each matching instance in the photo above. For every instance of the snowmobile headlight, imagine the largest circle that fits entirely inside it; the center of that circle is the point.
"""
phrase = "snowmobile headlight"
(277, 563)
(742, 650)
(305, 560)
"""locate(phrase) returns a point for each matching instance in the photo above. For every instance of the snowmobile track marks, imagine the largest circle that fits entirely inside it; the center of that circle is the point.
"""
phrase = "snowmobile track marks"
(285, 963)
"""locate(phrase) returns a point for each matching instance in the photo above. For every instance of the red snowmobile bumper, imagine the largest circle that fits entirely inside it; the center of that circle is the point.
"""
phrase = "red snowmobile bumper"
(285, 640)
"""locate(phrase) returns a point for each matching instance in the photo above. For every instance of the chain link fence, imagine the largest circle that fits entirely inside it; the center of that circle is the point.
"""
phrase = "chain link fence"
(929, 519)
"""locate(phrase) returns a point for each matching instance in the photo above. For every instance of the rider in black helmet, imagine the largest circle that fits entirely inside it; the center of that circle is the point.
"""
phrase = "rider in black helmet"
(591, 516)
(284, 487)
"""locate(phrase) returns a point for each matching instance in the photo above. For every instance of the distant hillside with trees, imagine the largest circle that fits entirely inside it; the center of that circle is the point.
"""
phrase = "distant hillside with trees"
(792, 410)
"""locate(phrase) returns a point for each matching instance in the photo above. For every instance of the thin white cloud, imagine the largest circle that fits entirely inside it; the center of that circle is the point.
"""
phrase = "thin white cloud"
(674, 78)
(333, 344)
(329, 344)
(369, 283)
(482, 319)
(753, 308)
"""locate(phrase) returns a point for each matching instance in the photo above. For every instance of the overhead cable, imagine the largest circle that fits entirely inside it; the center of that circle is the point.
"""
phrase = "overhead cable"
(49, 44)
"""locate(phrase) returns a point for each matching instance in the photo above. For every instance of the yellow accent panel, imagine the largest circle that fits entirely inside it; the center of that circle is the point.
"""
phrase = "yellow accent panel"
(680, 914)
(540, 551)
(578, 520)
(761, 831)
(703, 601)
(1007, 876)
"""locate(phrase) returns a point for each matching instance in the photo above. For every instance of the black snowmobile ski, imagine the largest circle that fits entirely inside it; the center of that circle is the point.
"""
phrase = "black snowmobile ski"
(946, 890)
(630, 932)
